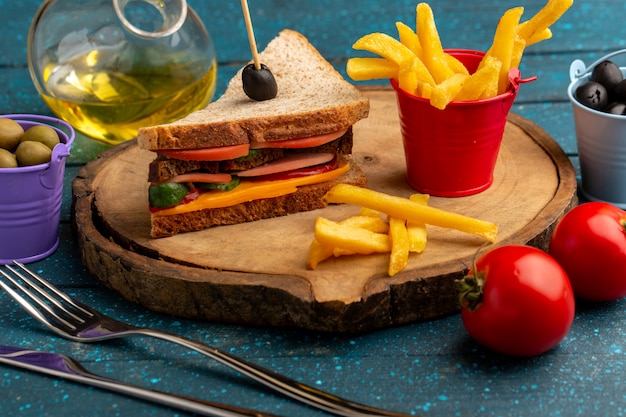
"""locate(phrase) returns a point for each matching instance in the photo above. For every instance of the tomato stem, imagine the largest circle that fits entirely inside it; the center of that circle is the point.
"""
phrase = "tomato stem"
(470, 289)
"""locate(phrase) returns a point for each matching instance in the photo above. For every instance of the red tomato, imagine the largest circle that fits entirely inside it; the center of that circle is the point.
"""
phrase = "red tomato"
(525, 303)
(590, 243)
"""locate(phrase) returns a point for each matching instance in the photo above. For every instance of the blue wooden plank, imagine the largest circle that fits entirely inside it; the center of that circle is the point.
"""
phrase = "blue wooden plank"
(465, 25)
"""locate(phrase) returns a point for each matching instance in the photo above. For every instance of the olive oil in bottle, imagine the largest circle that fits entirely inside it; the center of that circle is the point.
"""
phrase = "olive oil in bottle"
(111, 67)
(111, 106)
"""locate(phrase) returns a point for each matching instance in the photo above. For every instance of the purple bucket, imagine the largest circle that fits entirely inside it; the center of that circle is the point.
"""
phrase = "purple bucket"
(30, 198)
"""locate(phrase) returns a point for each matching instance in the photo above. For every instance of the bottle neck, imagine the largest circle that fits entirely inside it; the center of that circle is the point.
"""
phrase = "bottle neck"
(172, 13)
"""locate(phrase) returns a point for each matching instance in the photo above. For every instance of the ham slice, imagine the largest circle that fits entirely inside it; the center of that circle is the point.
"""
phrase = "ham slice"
(300, 143)
(288, 163)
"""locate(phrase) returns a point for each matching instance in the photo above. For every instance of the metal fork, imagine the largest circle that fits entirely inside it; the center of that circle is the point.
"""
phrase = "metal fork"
(74, 320)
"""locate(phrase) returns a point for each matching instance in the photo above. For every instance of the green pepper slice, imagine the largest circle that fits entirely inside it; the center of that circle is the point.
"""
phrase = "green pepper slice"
(167, 194)
(221, 186)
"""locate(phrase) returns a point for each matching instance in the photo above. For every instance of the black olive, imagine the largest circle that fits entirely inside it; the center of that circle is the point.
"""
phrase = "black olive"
(592, 94)
(616, 108)
(259, 84)
(608, 74)
(619, 92)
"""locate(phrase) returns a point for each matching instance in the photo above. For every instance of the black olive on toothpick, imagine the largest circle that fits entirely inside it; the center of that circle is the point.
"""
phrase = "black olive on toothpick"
(258, 81)
(259, 84)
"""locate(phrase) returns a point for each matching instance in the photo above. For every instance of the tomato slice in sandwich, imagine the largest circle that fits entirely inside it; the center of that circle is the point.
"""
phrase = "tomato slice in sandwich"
(221, 153)
(224, 153)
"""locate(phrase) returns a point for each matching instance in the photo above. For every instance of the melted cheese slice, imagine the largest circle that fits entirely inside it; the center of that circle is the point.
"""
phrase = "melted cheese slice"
(251, 190)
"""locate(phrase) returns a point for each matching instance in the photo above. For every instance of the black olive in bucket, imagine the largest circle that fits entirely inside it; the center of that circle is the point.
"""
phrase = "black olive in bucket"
(593, 95)
(608, 74)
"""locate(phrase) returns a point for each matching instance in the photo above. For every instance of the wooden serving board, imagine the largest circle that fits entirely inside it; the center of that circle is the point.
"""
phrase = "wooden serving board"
(255, 273)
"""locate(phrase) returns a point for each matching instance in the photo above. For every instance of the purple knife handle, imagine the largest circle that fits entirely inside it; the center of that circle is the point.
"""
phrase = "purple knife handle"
(36, 358)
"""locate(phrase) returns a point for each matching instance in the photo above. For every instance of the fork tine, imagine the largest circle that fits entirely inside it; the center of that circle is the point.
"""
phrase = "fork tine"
(41, 310)
(51, 288)
(30, 308)
(33, 297)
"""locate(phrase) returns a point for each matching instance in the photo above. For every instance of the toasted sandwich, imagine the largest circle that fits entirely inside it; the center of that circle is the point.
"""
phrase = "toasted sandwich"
(239, 160)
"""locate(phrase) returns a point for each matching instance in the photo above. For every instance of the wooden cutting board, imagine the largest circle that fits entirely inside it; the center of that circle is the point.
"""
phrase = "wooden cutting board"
(255, 273)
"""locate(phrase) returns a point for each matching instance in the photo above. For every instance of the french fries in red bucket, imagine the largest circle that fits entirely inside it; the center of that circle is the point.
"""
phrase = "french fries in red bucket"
(453, 104)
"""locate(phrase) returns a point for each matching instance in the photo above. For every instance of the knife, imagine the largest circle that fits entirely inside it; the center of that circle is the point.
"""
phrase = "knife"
(66, 367)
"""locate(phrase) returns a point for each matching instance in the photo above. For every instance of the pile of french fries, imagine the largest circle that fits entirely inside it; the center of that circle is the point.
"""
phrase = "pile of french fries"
(385, 224)
(419, 64)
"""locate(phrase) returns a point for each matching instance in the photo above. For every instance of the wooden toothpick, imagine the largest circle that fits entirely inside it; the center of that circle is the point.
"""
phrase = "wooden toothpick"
(246, 16)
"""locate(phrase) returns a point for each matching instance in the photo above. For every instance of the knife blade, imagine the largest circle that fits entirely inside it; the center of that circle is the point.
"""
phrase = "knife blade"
(63, 366)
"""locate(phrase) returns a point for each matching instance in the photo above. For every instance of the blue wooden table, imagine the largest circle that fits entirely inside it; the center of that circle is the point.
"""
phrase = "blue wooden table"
(428, 369)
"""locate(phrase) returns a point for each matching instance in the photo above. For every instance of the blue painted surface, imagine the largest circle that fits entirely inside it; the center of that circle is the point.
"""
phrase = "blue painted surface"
(430, 369)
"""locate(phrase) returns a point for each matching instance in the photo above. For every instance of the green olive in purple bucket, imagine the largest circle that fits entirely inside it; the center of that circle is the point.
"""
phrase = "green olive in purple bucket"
(10, 134)
(32, 153)
(7, 159)
(43, 134)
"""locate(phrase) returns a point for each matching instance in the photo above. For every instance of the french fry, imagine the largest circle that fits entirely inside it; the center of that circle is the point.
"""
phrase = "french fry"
(426, 90)
(410, 80)
(372, 223)
(407, 81)
(409, 38)
(503, 42)
(422, 73)
(519, 45)
(434, 57)
(353, 239)
(484, 80)
(417, 231)
(399, 237)
(417, 237)
(369, 212)
(546, 17)
(360, 69)
(393, 50)
(411, 211)
(318, 253)
(446, 91)
(491, 88)
(456, 65)
(539, 36)
(387, 47)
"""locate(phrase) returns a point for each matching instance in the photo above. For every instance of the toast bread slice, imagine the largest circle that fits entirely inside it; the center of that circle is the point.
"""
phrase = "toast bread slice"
(313, 99)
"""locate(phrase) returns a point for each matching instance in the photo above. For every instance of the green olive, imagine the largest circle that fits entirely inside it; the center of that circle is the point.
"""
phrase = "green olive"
(10, 134)
(44, 134)
(32, 153)
(7, 159)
